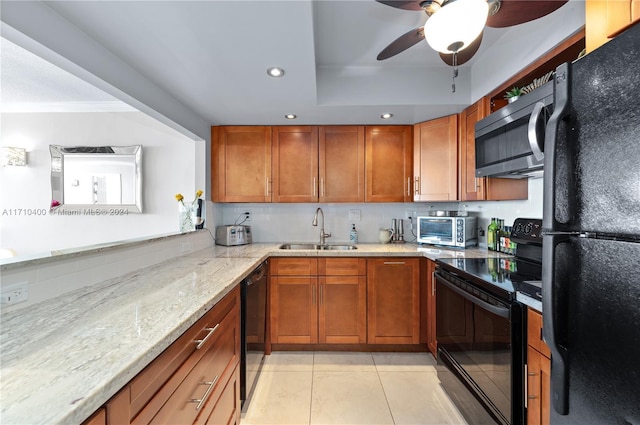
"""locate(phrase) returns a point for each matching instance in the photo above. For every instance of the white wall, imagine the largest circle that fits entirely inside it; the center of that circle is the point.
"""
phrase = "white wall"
(169, 160)
(292, 222)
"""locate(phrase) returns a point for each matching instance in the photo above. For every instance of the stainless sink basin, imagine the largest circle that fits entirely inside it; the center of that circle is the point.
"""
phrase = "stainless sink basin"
(339, 247)
(302, 246)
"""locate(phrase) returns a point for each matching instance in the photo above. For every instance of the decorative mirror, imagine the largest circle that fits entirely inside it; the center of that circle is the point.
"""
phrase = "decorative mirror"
(100, 180)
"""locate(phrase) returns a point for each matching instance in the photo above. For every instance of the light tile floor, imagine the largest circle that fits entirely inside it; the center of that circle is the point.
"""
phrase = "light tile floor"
(321, 388)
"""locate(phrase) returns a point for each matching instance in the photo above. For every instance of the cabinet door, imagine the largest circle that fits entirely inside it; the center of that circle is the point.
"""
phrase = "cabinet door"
(295, 164)
(472, 188)
(294, 310)
(341, 164)
(388, 163)
(538, 387)
(393, 301)
(431, 308)
(435, 156)
(343, 310)
(241, 164)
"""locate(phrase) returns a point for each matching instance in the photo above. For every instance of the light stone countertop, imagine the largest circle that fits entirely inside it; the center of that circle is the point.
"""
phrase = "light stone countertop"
(64, 358)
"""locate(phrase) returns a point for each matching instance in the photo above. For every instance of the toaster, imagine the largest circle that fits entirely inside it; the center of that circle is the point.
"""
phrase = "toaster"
(231, 235)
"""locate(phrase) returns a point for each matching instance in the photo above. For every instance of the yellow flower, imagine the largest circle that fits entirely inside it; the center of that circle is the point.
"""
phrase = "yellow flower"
(198, 194)
(179, 197)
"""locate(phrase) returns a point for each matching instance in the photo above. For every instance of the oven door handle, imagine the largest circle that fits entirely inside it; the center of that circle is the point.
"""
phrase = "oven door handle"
(498, 311)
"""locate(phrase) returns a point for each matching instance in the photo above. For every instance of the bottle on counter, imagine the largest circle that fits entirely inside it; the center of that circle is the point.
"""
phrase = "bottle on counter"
(353, 235)
(500, 235)
(491, 234)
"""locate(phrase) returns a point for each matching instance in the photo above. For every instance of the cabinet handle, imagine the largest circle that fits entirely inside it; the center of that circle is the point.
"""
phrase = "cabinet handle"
(416, 186)
(321, 294)
(409, 186)
(201, 342)
(313, 294)
(526, 385)
(322, 188)
(207, 393)
(313, 186)
(267, 187)
(393, 262)
(433, 284)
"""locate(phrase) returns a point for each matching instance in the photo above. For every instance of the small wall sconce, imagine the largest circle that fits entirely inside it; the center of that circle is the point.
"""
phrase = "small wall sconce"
(13, 156)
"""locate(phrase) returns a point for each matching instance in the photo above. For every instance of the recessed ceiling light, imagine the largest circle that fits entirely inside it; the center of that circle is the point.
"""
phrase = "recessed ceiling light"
(274, 71)
(386, 116)
(291, 116)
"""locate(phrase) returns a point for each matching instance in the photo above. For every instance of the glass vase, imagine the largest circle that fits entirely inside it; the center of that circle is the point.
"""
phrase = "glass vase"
(187, 217)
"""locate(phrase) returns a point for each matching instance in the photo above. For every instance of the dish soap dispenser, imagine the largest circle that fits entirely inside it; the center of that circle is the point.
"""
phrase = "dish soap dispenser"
(353, 235)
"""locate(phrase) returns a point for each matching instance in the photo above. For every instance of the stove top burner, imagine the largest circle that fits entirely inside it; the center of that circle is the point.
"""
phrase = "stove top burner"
(504, 276)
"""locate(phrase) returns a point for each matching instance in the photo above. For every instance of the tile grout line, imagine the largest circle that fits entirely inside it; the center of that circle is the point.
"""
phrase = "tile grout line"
(383, 391)
(313, 373)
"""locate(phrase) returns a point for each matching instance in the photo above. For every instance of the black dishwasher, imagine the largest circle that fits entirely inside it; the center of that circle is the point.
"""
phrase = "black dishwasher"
(253, 328)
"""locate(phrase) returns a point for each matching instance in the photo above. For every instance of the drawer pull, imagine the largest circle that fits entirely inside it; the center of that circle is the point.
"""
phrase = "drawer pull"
(204, 398)
(532, 397)
(202, 341)
(394, 262)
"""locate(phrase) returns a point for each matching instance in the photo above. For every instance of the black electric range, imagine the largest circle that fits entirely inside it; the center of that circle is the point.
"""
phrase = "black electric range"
(481, 326)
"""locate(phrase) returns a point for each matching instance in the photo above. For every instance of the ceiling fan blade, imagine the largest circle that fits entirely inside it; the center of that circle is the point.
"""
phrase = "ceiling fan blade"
(465, 54)
(402, 43)
(406, 5)
(514, 12)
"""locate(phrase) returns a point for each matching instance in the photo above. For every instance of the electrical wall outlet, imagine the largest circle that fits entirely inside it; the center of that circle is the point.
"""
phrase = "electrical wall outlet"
(355, 215)
(16, 293)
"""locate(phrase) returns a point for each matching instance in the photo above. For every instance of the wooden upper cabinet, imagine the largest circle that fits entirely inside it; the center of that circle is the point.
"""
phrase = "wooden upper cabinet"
(605, 19)
(388, 163)
(295, 164)
(241, 164)
(341, 164)
(472, 188)
(435, 159)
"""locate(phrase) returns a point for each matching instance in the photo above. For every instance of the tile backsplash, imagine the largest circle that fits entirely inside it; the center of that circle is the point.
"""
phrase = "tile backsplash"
(292, 222)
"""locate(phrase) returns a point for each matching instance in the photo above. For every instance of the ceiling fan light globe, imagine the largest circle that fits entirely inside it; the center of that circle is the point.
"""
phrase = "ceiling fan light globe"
(456, 24)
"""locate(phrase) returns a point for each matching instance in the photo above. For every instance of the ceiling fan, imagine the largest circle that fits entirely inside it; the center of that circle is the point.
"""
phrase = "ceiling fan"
(455, 27)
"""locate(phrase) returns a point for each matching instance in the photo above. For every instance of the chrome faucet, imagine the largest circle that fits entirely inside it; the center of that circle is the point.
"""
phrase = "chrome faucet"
(323, 235)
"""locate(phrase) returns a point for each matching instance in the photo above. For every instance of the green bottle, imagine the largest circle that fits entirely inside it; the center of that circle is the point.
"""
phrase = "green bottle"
(491, 234)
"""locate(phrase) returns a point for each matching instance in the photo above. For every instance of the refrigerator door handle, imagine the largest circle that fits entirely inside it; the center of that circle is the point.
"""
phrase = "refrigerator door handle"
(535, 130)
(561, 110)
(553, 327)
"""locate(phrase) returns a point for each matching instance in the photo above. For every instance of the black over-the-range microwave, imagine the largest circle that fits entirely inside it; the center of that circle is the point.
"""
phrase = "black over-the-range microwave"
(510, 141)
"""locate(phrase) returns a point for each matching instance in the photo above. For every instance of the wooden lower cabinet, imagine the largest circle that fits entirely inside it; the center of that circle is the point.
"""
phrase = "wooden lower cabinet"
(326, 308)
(190, 381)
(393, 300)
(538, 370)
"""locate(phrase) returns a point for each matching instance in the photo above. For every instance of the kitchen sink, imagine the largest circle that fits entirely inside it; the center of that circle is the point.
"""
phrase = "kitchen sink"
(302, 246)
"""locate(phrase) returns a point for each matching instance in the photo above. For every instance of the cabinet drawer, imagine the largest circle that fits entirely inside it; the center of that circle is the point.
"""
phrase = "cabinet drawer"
(534, 332)
(227, 407)
(205, 379)
(161, 378)
(342, 266)
(293, 266)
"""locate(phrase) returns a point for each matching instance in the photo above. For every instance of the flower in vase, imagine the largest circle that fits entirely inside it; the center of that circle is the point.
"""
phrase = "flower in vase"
(180, 198)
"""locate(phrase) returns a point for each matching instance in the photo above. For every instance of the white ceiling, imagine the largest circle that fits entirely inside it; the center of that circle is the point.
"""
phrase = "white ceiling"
(212, 56)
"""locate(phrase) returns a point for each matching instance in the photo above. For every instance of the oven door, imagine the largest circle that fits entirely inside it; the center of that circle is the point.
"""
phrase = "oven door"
(480, 340)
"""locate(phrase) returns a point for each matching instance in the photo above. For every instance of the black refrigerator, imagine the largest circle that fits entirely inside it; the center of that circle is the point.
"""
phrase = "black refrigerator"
(591, 242)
